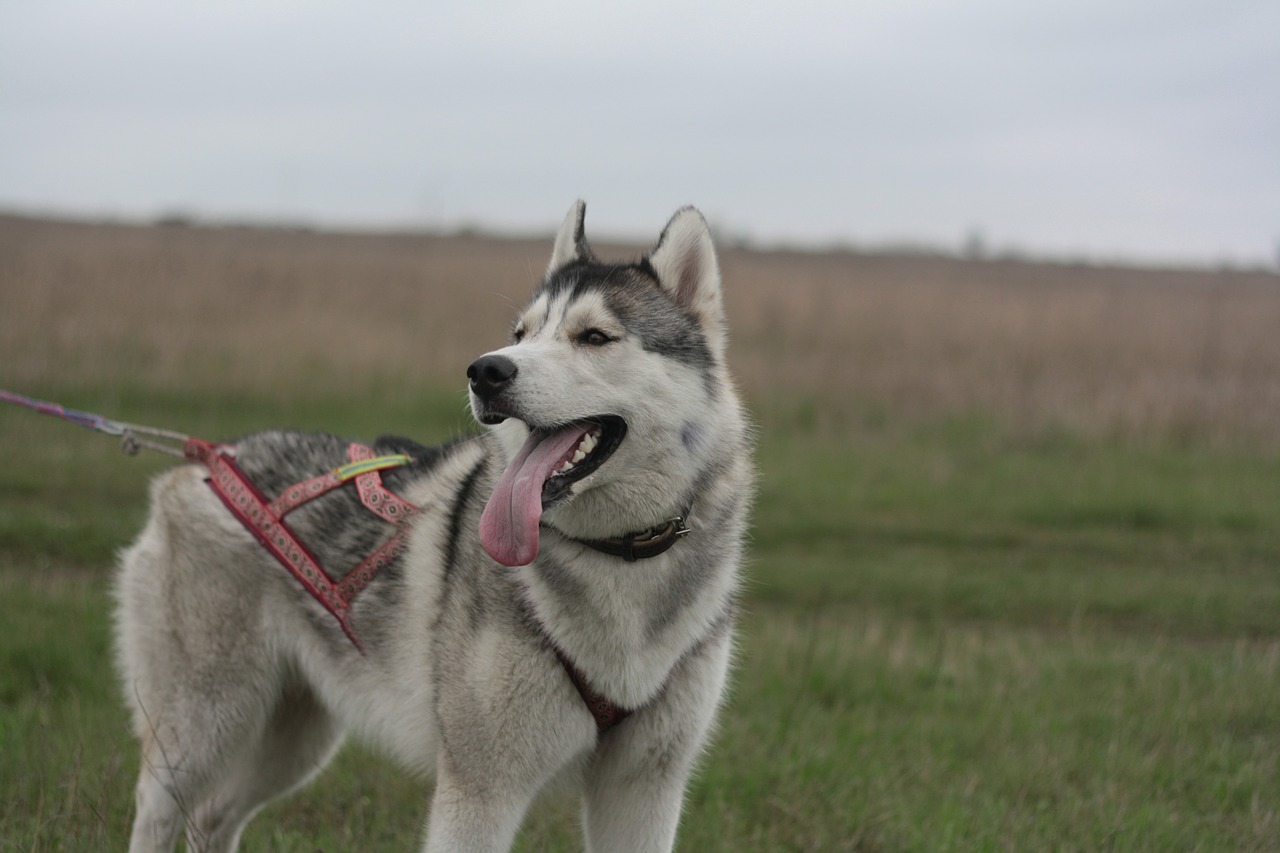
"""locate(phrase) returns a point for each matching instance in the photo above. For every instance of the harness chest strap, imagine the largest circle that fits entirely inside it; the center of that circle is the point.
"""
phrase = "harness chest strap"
(265, 520)
(607, 714)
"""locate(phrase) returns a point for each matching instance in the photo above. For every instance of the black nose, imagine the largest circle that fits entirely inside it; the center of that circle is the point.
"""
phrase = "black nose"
(489, 375)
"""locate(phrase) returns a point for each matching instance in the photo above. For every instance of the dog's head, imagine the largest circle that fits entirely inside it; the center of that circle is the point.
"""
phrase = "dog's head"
(605, 401)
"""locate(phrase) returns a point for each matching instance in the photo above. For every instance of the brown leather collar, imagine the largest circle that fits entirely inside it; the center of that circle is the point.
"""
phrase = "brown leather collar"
(638, 546)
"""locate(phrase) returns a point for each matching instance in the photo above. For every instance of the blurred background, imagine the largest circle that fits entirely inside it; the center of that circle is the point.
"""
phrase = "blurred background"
(1003, 286)
(1134, 131)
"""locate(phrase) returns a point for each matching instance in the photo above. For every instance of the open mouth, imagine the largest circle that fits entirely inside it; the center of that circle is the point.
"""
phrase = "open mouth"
(601, 439)
(540, 476)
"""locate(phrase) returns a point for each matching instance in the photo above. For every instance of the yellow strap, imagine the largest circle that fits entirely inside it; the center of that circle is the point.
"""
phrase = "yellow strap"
(363, 466)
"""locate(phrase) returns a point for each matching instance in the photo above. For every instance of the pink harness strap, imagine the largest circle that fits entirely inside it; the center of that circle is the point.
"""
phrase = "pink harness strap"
(386, 505)
(265, 520)
(299, 493)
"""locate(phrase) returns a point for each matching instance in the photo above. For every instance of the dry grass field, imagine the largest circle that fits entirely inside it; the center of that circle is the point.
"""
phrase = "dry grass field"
(1191, 353)
(1015, 571)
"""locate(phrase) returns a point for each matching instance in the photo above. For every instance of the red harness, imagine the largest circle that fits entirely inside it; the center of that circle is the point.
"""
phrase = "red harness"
(264, 518)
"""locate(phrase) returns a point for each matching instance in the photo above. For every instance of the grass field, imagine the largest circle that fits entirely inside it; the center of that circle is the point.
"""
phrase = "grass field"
(1015, 580)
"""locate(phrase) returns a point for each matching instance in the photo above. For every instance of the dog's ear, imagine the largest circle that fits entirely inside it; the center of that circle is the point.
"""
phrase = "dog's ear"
(685, 263)
(571, 239)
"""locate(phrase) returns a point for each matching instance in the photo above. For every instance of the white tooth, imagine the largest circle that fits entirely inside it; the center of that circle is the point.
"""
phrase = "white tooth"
(565, 467)
(578, 455)
(588, 443)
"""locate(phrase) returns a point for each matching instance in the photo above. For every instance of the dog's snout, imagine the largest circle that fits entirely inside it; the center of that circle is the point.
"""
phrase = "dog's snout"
(490, 374)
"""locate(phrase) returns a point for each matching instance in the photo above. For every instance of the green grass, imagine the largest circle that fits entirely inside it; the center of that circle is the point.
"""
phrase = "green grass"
(956, 637)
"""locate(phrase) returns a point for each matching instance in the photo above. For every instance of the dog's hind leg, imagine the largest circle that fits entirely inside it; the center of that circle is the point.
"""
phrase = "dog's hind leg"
(159, 816)
(199, 667)
(298, 740)
(194, 744)
(168, 665)
(215, 790)
(181, 763)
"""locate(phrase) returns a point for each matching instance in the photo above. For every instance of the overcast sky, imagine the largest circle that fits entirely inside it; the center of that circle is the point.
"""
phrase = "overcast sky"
(1140, 130)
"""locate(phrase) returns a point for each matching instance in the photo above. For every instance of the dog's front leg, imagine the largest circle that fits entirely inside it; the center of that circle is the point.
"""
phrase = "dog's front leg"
(508, 720)
(635, 781)
(638, 815)
(466, 819)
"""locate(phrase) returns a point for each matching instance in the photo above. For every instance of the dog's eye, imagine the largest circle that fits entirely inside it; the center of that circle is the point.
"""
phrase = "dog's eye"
(518, 335)
(594, 338)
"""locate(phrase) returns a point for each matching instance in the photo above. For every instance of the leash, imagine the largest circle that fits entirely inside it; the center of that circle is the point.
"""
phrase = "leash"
(133, 437)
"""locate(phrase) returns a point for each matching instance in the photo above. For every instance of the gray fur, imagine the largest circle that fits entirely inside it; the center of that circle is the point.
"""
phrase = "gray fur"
(242, 686)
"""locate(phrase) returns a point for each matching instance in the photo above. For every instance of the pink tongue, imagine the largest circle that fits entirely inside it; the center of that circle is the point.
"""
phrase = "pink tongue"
(509, 524)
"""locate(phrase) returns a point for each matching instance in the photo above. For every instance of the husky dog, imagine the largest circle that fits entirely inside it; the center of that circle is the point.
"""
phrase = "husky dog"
(611, 411)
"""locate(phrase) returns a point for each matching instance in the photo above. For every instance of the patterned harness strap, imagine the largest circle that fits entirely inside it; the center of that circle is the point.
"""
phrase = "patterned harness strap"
(606, 712)
(265, 519)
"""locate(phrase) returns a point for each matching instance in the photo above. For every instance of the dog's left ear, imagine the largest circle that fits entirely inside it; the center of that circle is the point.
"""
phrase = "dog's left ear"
(571, 239)
(685, 262)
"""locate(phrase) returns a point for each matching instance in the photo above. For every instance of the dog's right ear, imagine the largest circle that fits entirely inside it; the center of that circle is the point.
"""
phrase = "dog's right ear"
(571, 239)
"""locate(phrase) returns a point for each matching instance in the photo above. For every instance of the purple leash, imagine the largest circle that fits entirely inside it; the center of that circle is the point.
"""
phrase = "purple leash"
(133, 437)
